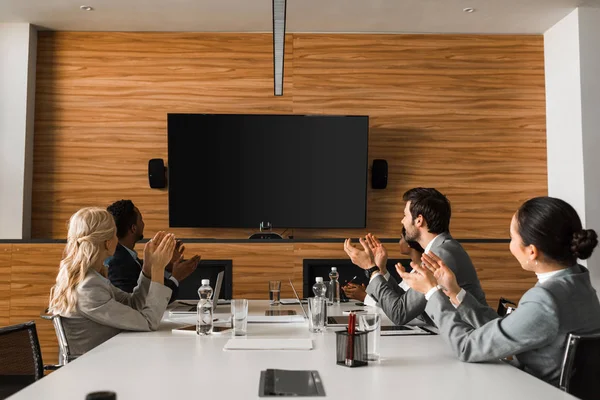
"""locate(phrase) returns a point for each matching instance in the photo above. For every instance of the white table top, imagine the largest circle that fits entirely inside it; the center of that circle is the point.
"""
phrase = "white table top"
(167, 365)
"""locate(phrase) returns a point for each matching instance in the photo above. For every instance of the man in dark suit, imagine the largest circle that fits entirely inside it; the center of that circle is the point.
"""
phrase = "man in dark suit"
(124, 267)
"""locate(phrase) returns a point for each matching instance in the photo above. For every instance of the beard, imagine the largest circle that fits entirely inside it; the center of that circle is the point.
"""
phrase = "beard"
(412, 236)
(139, 237)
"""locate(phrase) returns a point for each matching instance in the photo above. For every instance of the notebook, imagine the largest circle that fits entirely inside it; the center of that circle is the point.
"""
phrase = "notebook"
(280, 382)
(268, 344)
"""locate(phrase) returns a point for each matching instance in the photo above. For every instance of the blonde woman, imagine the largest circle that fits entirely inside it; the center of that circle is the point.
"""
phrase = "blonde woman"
(93, 310)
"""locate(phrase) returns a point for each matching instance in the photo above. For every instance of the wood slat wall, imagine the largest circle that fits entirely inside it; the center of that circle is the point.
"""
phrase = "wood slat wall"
(462, 113)
(5, 262)
(33, 269)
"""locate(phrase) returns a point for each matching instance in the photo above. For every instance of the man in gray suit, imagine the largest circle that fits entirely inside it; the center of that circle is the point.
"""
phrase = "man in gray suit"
(426, 221)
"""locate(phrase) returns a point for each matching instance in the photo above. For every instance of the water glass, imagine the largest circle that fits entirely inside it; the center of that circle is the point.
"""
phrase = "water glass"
(239, 316)
(371, 323)
(317, 309)
(275, 292)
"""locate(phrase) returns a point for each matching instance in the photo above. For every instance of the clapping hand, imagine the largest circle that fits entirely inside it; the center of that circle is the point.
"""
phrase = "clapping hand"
(183, 269)
(157, 253)
(379, 252)
(362, 258)
(177, 255)
(422, 280)
(356, 292)
(444, 275)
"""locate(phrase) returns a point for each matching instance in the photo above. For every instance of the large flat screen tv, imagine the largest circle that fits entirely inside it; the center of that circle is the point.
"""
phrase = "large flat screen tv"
(292, 171)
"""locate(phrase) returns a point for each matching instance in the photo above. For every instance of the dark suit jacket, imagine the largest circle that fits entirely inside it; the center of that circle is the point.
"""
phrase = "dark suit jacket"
(124, 272)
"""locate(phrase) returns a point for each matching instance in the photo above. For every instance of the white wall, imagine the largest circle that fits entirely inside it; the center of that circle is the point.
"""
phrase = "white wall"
(589, 47)
(563, 112)
(572, 62)
(18, 47)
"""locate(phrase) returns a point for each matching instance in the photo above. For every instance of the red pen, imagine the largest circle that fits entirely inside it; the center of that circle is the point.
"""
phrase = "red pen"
(350, 342)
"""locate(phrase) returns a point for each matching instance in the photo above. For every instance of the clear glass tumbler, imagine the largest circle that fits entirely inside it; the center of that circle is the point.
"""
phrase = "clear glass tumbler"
(239, 316)
(371, 323)
(275, 292)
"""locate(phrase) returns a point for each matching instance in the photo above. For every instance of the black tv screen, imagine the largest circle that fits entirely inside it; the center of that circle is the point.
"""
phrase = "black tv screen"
(292, 171)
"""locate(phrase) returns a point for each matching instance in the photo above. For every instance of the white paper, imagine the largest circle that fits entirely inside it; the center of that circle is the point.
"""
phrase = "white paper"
(275, 319)
(268, 344)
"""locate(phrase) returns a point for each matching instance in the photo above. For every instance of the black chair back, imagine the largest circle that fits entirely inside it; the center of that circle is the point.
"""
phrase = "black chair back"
(580, 374)
(21, 358)
(505, 307)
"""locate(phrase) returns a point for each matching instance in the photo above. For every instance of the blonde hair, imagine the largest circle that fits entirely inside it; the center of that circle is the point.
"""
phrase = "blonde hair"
(89, 228)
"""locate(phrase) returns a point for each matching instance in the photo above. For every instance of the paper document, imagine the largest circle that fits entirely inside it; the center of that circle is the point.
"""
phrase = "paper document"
(275, 319)
(268, 344)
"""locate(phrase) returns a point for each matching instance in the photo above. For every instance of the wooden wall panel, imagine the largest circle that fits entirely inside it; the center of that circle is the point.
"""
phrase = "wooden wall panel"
(254, 264)
(5, 261)
(499, 272)
(462, 113)
(34, 269)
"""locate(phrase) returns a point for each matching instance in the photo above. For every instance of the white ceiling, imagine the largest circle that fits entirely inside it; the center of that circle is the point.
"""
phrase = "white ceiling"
(401, 16)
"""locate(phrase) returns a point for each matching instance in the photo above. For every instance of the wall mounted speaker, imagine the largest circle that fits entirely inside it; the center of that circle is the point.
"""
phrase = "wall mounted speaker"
(379, 174)
(157, 176)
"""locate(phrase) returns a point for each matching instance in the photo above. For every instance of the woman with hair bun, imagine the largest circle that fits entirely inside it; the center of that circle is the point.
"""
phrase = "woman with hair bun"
(93, 310)
(547, 238)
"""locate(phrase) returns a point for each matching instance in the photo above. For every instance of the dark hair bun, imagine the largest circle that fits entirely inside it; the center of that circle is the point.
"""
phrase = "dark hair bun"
(583, 243)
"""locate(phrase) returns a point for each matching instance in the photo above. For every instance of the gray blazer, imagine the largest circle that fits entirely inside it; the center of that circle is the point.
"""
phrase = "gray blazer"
(535, 333)
(103, 311)
(401, 307)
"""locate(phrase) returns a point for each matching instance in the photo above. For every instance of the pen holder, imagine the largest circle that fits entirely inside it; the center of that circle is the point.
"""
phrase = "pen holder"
(358, 341)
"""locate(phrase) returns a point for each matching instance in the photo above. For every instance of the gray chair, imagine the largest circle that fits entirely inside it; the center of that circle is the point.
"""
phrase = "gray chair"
(64, 354)
(580, 373)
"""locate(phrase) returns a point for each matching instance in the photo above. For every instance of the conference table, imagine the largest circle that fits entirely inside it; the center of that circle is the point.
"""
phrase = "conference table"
(176, 365)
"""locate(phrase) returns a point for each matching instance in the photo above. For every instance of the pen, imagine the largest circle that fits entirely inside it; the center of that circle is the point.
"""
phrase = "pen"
(350, 342)
(350, 281)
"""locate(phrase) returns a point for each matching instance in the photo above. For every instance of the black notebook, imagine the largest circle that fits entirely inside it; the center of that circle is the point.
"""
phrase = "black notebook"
(281, 382)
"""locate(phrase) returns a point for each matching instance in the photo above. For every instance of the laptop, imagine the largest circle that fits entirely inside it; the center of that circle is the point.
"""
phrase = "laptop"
(186, 308)
(298, 298)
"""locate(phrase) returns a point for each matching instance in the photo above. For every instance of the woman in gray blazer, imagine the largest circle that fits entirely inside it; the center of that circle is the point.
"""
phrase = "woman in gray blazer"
(93, 310)
(546, 238)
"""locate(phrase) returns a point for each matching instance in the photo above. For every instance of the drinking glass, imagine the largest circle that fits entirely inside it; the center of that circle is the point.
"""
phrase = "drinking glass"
(239, 316)
(275, 292)
(371, 323)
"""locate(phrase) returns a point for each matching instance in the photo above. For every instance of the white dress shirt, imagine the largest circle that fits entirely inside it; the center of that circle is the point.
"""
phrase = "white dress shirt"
(544, 276)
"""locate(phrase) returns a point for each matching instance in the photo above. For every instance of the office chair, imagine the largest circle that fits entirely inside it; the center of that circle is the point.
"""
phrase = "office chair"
(580, 372)
(21, 358)
(505, 307)
(64, 354)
